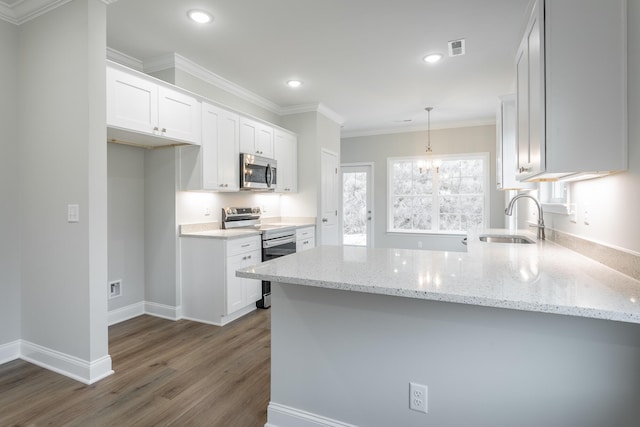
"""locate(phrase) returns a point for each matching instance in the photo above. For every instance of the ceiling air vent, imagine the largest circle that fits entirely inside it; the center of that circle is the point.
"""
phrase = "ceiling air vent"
(456, 47)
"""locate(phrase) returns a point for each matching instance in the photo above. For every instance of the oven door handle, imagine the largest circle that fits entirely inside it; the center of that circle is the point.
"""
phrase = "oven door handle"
(278, 241)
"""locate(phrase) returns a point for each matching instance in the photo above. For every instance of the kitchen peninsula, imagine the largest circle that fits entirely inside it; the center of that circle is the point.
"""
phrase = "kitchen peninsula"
(505, 334)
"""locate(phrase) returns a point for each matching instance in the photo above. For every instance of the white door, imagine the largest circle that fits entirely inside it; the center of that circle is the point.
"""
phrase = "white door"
(357, 204)
(329, 202)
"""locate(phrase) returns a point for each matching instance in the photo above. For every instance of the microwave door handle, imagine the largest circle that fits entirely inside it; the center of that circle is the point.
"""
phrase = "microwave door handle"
(268, 175)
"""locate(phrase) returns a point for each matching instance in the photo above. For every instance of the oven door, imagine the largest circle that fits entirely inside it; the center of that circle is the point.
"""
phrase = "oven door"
(275, 248)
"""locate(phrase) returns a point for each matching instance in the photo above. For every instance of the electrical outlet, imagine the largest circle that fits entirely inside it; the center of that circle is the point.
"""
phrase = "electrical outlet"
(418, 397)
(585, 216)
(573, 213)
(207, 211)
(115, 288)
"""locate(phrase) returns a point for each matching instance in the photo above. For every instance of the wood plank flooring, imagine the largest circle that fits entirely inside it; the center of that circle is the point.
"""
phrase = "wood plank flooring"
(166, 374)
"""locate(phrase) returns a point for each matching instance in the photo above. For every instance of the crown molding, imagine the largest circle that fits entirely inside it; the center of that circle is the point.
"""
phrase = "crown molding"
(408, 129)
(173, 60)
(312, 108)
(124, 59)
(25, 10)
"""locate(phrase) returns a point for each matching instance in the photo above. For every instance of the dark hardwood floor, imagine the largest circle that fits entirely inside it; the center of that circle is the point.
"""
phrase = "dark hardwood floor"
(166, 374)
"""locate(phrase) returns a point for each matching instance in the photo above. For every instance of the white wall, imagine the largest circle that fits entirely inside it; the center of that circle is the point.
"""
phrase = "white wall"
(9, 170)
(62, 110)
(126, 223)
(613, 202)
(378, 148)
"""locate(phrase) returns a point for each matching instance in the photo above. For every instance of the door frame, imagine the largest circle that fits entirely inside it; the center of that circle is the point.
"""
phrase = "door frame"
(371, 187)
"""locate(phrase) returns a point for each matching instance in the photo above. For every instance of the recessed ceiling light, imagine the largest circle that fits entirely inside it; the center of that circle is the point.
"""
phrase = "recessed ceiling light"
(294, 83)
(433, 58)
(200, 16)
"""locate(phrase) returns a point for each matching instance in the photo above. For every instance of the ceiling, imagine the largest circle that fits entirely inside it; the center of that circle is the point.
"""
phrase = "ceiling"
(360, 58)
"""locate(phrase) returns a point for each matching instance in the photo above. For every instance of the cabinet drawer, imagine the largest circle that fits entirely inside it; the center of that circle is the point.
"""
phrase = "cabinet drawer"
(304, 233)
(240, 246)
(304, 244)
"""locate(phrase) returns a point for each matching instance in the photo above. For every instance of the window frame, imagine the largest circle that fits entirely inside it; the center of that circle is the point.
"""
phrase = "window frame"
(484, 156)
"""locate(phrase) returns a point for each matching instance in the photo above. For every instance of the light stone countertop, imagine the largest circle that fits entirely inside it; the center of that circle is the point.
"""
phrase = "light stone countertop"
(222, 234)
(542, 277)
(212, 230)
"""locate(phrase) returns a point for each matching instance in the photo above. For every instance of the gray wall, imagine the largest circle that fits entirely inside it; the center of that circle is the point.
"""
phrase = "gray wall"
(376, 149)
(350, 357)
(160, 229)
(9, 192)
(126, 222)
(62, 110)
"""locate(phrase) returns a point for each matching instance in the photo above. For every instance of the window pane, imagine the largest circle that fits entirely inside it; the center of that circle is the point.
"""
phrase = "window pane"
(456, 191)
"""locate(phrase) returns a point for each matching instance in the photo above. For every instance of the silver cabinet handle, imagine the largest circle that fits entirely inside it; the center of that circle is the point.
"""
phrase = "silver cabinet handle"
(325, 220)
(246, 245)
(155, 128)
(464, 241)
(164, 130)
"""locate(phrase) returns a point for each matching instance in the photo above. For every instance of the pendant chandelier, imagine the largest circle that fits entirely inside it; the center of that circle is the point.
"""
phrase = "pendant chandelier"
(429, 162)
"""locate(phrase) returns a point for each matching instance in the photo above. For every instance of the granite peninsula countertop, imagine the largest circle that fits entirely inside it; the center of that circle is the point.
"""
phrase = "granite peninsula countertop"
(541, 277)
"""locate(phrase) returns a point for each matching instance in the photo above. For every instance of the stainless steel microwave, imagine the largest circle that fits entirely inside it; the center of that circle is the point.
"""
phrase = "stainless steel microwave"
(257, 173)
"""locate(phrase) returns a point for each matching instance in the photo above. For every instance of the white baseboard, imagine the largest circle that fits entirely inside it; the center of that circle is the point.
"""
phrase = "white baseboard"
(9, 351)
(286, 416)
(64, 364)
(125, 313)
(162, 310)
(224, 320)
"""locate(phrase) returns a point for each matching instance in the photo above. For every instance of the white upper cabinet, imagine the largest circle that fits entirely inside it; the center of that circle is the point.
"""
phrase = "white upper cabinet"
(571, 91)
(142, 111)
(256, 138)
(286, 154)
(214, 165)
(506, 155)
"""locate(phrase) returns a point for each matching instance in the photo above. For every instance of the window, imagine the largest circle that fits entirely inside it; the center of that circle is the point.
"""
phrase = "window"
(554, 197)
(452, 200)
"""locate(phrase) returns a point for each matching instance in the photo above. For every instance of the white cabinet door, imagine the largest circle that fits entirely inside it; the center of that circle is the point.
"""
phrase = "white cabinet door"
(256, 138)
(235, 285)
(242, 292)
(530, 97)
(214, 165)
(305, 244)
(253, 287)
(506, 149)
(178, 116)
(132, 102)
(286, 153)
(229, 151)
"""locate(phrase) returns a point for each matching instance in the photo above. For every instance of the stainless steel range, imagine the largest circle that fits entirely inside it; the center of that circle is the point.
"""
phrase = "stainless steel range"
(277, 240)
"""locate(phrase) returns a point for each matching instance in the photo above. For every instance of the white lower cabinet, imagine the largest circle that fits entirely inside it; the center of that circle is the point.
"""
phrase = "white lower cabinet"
(211, 292)
(305, 238)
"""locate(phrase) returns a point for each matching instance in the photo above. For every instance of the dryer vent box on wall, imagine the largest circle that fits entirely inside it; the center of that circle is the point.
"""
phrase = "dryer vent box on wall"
(456, 47)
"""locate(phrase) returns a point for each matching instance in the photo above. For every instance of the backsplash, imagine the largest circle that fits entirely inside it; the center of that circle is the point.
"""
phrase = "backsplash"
(619, 260)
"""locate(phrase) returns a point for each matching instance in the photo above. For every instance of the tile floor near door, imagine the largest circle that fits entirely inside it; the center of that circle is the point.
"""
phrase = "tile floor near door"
(166, 374)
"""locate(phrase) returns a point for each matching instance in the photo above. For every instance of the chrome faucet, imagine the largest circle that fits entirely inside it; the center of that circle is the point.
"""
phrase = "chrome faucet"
(512, 202)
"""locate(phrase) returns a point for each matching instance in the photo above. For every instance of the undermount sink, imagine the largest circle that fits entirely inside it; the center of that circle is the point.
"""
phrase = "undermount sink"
(497, 238)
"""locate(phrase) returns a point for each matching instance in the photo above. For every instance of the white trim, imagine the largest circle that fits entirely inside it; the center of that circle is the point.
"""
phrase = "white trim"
(26, 10)
(312, 108)
(455, 156)
(408, 129)
(173, 60)
(9, 351)
(64, 364)
(124, 59)
(225, 320)
(125, 313)
(371, 189)
(285, 416)
(162, 310)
